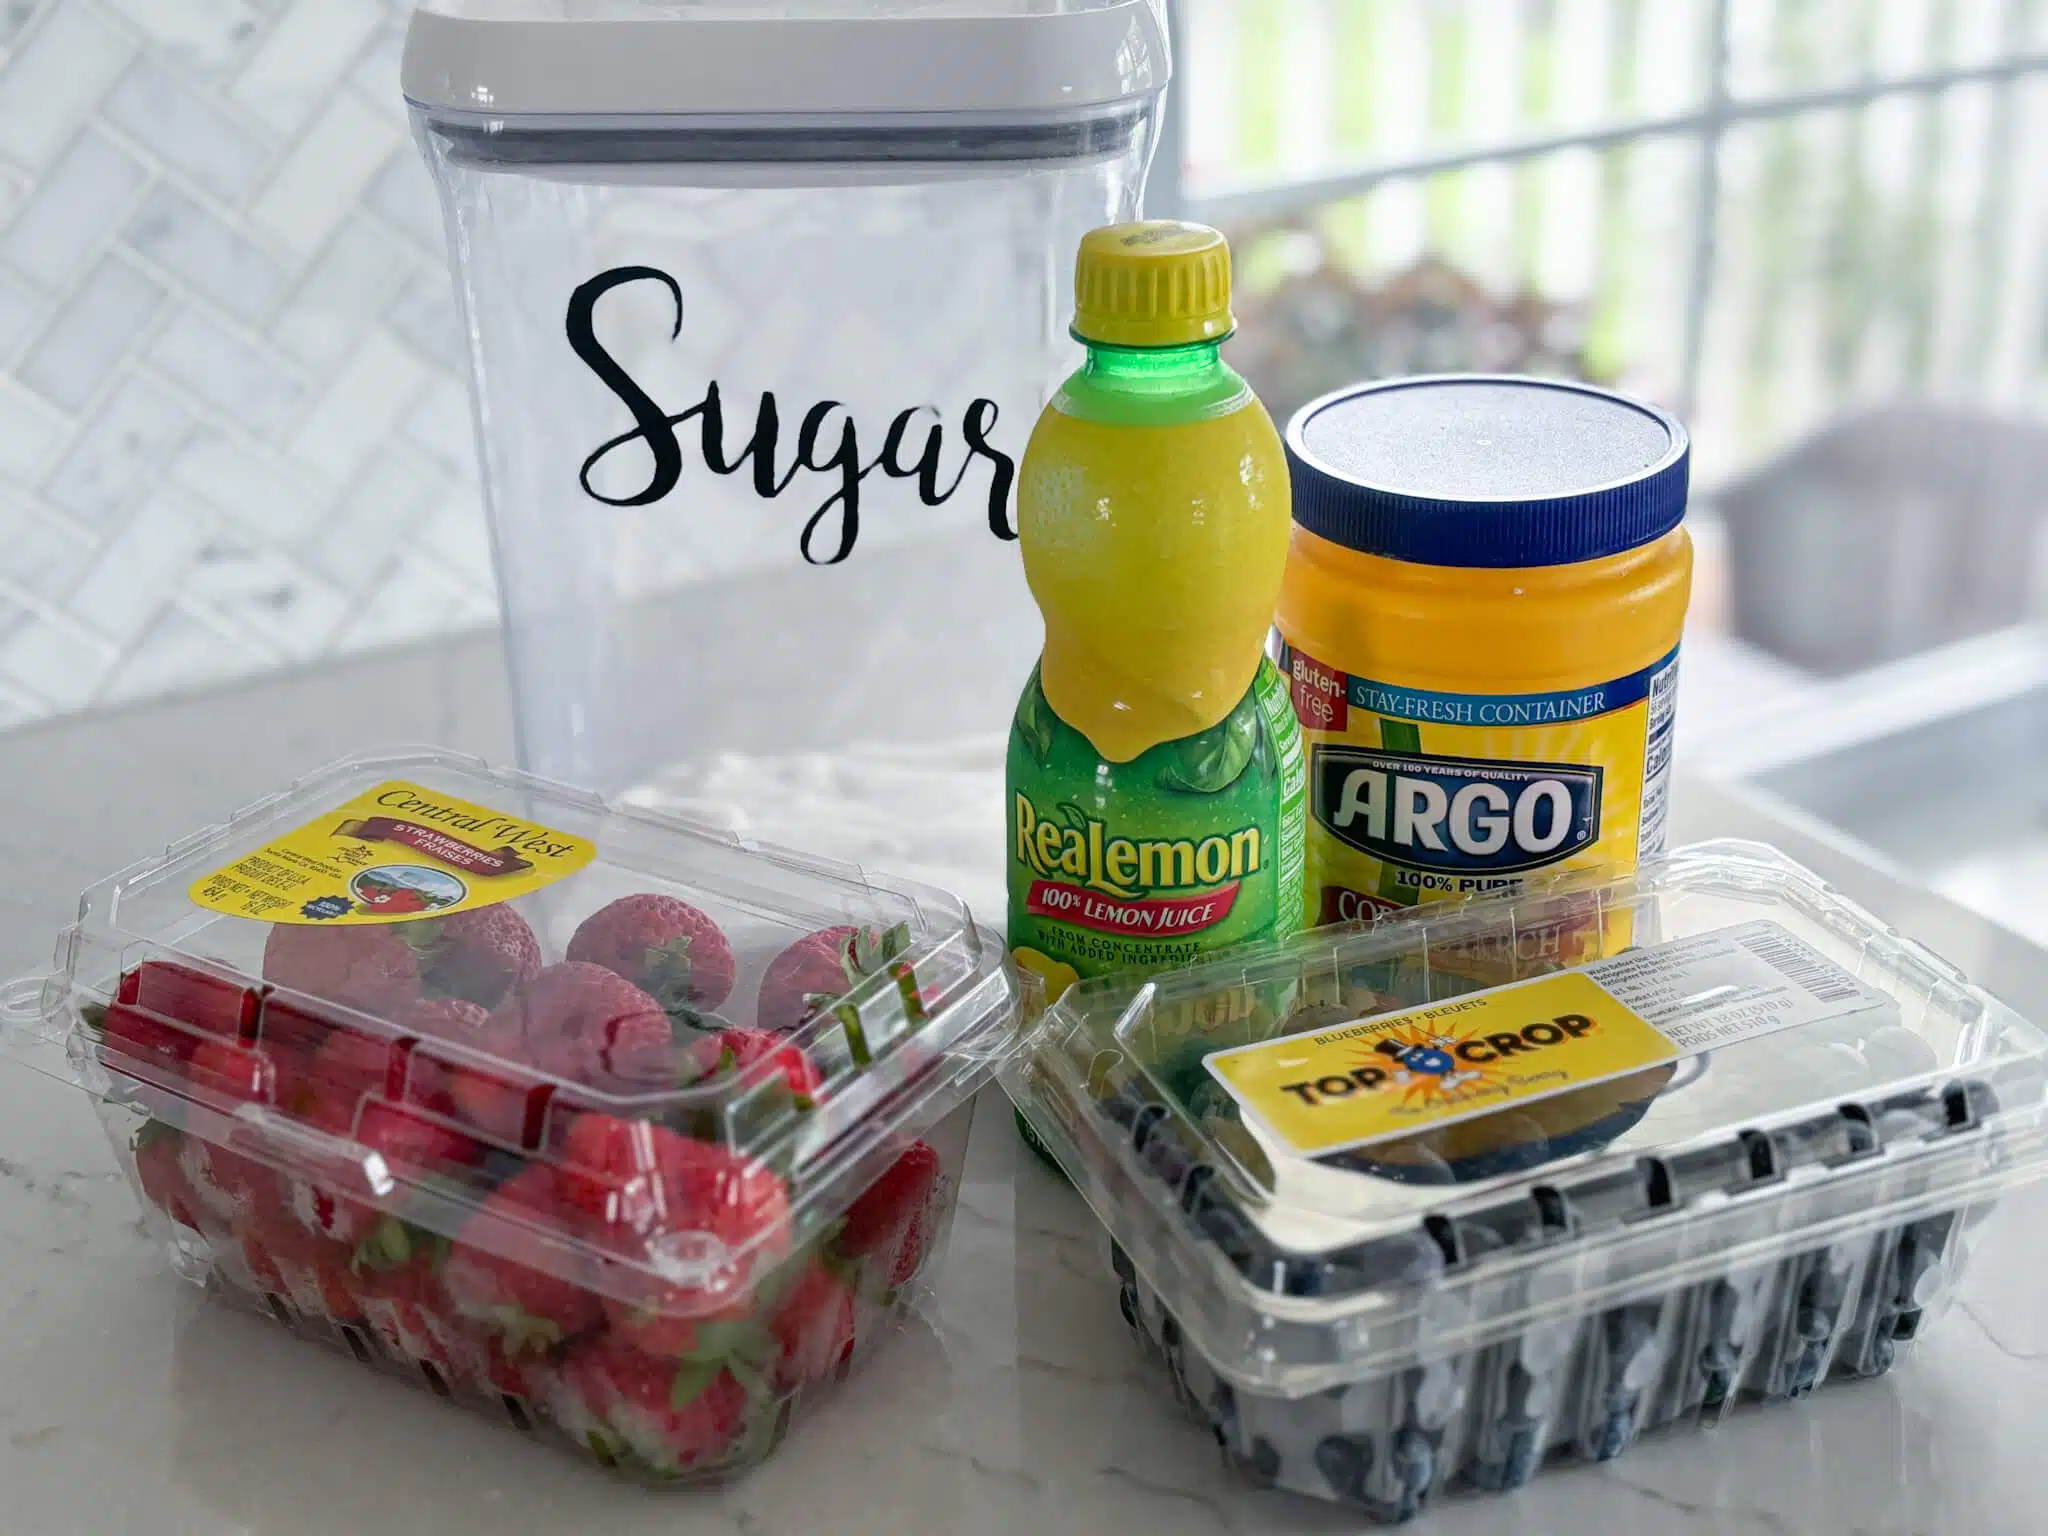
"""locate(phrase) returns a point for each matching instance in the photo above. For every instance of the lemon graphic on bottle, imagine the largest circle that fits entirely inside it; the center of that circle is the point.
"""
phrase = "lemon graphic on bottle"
(1156, 791)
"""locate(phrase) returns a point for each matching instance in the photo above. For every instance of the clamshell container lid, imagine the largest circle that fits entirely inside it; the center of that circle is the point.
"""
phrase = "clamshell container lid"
(1838, 1079)
(623, 59)
(159, 1001)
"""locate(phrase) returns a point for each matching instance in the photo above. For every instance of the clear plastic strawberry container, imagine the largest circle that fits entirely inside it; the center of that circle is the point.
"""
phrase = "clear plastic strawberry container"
(1409, 1208)
(616, 1127)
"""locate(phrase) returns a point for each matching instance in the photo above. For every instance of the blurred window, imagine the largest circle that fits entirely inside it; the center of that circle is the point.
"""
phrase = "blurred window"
(1758, 211)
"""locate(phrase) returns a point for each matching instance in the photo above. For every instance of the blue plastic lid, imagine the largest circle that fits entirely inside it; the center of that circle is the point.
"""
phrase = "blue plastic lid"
(1485, 470)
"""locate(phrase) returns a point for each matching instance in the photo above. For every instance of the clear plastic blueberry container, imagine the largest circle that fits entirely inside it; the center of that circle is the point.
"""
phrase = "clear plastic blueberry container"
(619, 1128)
(1378, 1290)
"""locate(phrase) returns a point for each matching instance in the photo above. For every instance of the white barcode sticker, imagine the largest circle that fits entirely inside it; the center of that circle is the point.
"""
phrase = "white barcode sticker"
(1732, 984)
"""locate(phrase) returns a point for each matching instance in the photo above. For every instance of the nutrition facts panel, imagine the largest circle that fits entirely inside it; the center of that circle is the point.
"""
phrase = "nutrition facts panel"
(1661, 732)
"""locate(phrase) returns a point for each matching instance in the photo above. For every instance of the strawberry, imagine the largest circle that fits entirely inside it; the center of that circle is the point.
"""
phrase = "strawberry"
(575, 1022)
(318, 1278)
(226, 1183)
(282, 1259)
(446, 1018)
(237, 1074)
(260, 1263)
(705, 1220)
(813, 1329)
(670, 1418)
(365, 966)
(494, 1275)
(890, 1207)
(350, 1065)
(475, 956)
(529, 1377)
(327, 1212)
(161, 1012)
(630, 1182)
(732, 1049)
(821, 967)
(408, 1311)
(139, 1045)
(432, 1019)
(671, 951)
(395, 1306)
(675, 1322)
(910, 1249)
(469, 959)
(207, 1003)
(354, 1062)
(294, 1030)
(161, 1176)
(408, 1147)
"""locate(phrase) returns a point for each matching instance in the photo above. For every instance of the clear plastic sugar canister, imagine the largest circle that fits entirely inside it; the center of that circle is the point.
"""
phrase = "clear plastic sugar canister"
(761, 302)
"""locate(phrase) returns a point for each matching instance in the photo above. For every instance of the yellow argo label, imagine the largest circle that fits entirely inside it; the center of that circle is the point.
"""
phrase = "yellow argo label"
(393, 853)
(1426, 1067)
(1420, 796)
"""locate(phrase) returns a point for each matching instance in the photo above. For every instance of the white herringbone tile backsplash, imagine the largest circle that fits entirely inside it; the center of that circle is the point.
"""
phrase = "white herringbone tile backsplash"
(233, 424)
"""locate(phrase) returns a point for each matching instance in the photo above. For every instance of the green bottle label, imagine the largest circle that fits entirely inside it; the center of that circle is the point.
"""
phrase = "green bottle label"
(1191, 846)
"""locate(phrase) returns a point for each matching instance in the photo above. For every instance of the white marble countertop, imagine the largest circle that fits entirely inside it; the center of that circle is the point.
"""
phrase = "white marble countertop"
(129, 1401)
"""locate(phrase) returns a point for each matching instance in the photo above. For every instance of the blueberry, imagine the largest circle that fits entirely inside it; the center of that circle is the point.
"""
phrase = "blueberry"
(1265, 1461)
(1719, 1363)
(1415, 1466)
(1123, 1105)
(1724, 1307)
(1825, 1288)
(1165, 1158)
(1345, 1461)
(1920, 1256)
(1306, 1276)
(1415, 1461)
(1142, 1124)
(1499, 1471)
(1169, 1339)
(1510, 1444)
(1628, 1333)
(1120, 1261)
(1525, 1451)
(1227, 1227)
(1806, 1372)
(1223, 1411)
(1615, 1432)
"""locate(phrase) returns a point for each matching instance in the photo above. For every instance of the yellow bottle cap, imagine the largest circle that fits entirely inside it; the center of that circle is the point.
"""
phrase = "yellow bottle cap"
(1154, 284)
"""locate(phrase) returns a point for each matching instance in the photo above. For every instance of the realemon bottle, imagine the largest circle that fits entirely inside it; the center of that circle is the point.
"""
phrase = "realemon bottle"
(1156, 787)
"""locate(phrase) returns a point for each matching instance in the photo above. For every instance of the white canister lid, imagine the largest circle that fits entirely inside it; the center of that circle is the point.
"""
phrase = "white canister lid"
(637, 58)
